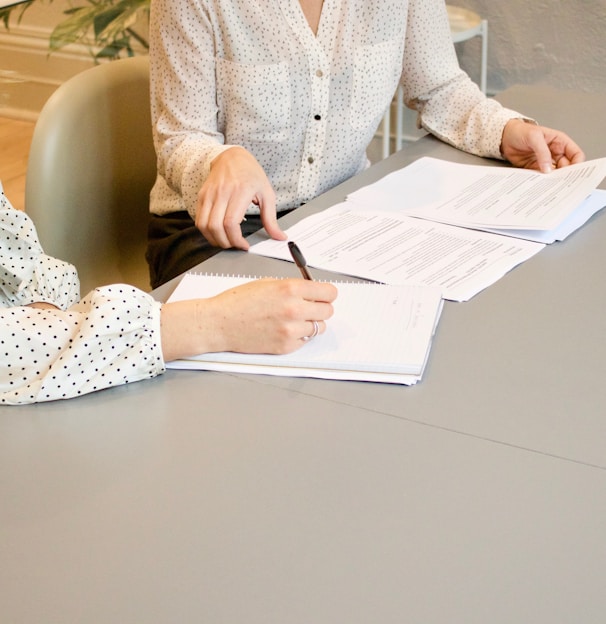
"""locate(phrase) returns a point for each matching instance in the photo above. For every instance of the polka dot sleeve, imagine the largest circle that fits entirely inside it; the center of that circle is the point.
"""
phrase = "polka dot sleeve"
(27, 274)
(111, 337)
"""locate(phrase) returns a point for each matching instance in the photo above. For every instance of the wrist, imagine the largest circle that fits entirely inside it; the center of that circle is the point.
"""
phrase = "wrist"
(509, 124)
(506, 129)
(187, 329)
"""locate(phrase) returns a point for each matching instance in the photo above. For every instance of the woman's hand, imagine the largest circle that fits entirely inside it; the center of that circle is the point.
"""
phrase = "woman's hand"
(263, 316)
(536, 147)
(236, 181)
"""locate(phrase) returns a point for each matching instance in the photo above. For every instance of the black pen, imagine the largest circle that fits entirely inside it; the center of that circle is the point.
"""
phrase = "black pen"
(299, 259)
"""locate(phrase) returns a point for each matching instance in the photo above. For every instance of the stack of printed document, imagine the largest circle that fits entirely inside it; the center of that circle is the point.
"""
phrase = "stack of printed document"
(506, 200)
(459, 228)
(377, 333)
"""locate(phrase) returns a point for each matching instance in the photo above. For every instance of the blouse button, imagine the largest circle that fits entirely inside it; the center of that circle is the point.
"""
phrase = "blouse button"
(319, 73)
(317, 117)
(310, 159)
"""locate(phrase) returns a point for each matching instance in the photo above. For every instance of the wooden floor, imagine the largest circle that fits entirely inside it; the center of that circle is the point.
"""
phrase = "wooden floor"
(15, 140)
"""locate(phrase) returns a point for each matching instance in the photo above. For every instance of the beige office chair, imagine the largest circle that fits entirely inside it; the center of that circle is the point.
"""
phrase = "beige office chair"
(91, 167)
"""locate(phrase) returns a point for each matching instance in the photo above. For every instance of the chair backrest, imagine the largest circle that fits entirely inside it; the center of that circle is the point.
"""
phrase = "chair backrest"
(91, 167)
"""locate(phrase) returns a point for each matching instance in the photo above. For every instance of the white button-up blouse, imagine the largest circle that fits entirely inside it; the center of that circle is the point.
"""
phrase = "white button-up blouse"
(252, 73)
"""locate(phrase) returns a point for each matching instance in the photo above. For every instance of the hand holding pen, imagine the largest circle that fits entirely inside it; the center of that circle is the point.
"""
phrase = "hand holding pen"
(301, 263)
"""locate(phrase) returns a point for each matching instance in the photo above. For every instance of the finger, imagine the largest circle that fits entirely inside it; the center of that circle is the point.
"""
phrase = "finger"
(570, 155)
(318, 292)
(573, 153)
(578, 157)
(541, 151)
(269, 219)
(224, 222)
(313, 329)
(203, 216)
(232, 222)
(273, 229)
(318, 311)
(563, 149)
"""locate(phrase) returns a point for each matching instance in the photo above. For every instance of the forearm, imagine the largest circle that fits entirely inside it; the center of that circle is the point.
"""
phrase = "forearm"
(479, 127)
(189, 328)
(450, 105)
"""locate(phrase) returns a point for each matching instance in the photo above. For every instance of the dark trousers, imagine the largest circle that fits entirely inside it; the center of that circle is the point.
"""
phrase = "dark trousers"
(175, 245)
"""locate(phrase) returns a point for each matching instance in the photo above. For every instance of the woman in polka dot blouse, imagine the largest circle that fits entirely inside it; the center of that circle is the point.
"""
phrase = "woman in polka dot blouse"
(260, 105)
(53, 346)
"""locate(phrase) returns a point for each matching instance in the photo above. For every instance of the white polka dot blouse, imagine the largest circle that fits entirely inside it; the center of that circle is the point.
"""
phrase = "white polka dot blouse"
(111, 337)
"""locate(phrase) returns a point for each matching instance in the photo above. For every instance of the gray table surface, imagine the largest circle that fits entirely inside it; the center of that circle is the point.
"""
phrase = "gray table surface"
(478, 495)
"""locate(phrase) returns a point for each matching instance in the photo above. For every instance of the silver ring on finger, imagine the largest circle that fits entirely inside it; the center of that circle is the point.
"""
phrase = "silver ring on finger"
(314, 333)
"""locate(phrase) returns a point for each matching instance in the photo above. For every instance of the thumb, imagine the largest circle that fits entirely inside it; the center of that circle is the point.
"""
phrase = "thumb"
(270, 223)
(542, 153)
(270, 220)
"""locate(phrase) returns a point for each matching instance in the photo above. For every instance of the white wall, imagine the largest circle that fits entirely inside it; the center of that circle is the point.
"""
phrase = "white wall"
(561, 43)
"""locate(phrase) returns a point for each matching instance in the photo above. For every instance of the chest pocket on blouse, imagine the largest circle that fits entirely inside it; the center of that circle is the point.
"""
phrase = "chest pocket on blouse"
(376, 72)
(254, 101)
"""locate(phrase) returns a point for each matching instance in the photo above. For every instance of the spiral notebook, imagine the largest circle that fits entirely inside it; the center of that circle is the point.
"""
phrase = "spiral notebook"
(378, 332)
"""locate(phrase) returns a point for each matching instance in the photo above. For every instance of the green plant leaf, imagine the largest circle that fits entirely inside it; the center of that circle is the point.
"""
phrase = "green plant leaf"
(7, 12)
(104, 24)
(111, 23)
(74, 28)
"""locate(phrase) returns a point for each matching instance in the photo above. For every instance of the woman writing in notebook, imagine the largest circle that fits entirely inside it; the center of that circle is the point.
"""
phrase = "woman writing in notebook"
(54, 346)
(259, 106)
